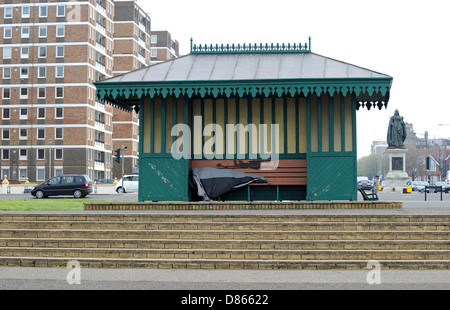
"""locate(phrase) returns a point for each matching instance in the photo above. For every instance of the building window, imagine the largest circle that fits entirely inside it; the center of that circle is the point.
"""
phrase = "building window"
(24, 73)
(6, 113)
(24, 52)
(43, 11)
(23, 154)
(41, 133)
(8, 12)
(26, 12)
(59, 92)
(40, 174)
(42, 31)
(41, 92)
(41, 113)
(40, 154)
(23, 133)
(25, 32)
(153, 52)
(58, 154)
(23, 113)
(58, 171)
(5, 134)
(153, 38)
(42, 52)
(59, 72)
(60, 31)
(7, 73)
(7, 33)
(42, 72)
(6, 93)
(6, 53)
(60, 51)
(60, 11)
(58, 133)
(5, 171)
(23, 173)
(59, 112)
(5, 154)
(24, 93)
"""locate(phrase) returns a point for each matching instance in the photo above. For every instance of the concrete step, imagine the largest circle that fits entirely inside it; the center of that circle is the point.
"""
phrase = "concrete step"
(225, 264)
(228, 244)
(227, 254)
(237, 226)
(225, 234)
(189, 217)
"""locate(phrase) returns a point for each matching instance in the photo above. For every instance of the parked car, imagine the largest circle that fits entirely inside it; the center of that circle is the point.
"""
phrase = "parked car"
(419, 186)
(104, 181)
(78, 185)
(365, 184)
(445, 187)
(128, 184)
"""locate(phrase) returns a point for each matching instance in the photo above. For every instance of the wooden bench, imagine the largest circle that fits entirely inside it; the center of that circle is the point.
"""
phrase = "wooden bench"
(368, 197)
(281, 173)
(287, 171)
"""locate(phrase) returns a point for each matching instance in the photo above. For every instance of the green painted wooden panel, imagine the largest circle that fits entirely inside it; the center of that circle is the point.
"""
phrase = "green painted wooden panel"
(331, 177)
(163, 179)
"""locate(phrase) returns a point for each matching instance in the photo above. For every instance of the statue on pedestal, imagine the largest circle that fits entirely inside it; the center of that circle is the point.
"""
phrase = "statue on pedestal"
(397, 177)
(396, 134)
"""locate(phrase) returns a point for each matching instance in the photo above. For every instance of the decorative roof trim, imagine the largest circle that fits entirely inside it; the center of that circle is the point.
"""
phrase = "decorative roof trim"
(250, 48)
(369, 92)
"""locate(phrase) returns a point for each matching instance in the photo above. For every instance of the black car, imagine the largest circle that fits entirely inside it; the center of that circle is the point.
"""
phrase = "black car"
(78, 185)
(365, 185)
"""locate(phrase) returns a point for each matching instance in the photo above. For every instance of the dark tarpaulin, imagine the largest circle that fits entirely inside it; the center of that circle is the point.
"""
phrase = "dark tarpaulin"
(210, 183)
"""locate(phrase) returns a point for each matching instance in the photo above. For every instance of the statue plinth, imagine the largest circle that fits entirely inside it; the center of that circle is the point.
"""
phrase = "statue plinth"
(397, 177)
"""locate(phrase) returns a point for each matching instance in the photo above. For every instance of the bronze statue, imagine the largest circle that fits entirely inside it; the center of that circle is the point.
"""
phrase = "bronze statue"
(396, 134)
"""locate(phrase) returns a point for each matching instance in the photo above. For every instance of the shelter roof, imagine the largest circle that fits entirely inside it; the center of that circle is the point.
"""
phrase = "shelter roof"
(252, 70)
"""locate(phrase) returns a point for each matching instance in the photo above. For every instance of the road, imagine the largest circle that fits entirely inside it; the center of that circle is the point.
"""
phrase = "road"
(193, 280)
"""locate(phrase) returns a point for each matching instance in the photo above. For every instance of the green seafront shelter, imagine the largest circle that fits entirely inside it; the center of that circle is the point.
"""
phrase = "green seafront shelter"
(312, 100)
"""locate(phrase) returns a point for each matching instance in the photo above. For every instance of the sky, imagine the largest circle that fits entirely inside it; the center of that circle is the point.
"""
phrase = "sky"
(407, 40)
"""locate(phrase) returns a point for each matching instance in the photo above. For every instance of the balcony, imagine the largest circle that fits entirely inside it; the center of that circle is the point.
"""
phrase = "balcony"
(100, 47)
(100, 28)
(100, 144)
(99, 125)
(100, 67)
(142, 59)
(100, 106)
(99, 165)
(101, 8)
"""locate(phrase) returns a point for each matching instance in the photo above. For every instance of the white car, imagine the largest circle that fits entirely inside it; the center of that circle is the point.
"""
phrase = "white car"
(130, 184)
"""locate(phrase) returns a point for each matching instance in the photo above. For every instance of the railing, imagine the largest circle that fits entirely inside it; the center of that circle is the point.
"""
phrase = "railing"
(100, 125)
(100, 46)
(101, 8)
(251, 48)
(99, 165)
(100, 66)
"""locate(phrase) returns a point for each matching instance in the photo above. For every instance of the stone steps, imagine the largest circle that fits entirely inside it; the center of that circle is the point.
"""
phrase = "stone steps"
(225, 241)
(234, 226)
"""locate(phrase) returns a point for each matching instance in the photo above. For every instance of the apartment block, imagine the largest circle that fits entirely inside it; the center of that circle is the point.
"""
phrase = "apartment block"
(52, 52)
(163, 47)
(131, 52)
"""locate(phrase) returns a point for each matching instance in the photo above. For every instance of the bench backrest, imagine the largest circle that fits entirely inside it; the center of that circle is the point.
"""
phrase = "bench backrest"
(287, 172)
